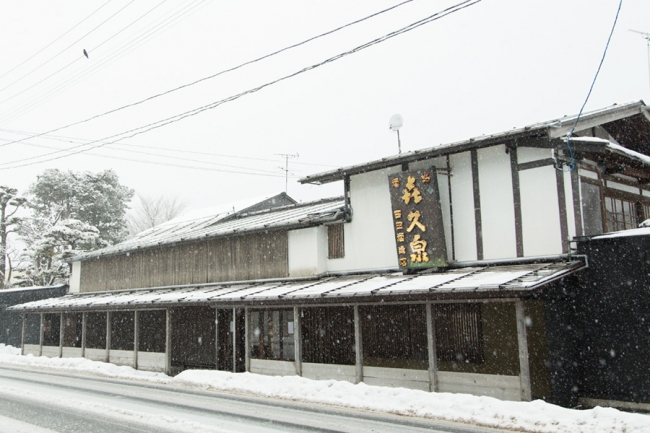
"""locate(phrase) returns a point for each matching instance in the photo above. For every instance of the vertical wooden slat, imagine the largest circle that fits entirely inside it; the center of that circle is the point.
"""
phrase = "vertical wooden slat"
(431, 349)
(247, 342)
(358, 345)
(524, 366)
(297, 340)
(84, 321)
(216, 339)
(61, 333)
(234, 340)
(40, 343)
(22, 336)
(136, 337)
(108, 336)
(168, 342)
(478, 221)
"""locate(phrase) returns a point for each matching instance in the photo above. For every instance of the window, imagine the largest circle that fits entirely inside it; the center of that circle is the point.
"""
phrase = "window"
(335, 241)
(272, 334)
(459, 333)
(621, 214)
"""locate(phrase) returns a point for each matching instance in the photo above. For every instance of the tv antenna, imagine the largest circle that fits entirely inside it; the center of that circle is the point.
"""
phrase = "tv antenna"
(286, 157)
(395, 124)
(646, 36)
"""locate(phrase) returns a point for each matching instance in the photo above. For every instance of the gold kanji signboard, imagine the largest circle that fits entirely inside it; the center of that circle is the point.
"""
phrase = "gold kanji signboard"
(417, 219)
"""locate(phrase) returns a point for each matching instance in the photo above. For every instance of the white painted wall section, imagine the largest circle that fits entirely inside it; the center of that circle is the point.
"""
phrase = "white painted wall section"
(530, 154)
(570, 214)
(369, 238)
(75, 278)
(462, 196)
(307, 251)
(539, 212)
(497, 203)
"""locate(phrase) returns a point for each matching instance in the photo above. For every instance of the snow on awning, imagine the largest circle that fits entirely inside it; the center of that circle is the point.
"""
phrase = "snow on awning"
(477, 282)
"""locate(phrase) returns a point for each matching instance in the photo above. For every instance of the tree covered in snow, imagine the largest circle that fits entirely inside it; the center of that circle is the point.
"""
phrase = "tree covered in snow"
(70, 213)
(10, 203)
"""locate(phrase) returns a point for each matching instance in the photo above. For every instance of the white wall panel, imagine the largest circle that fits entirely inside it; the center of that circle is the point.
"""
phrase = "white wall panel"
(152, 361)
(497, 203)
(529, 154)
(75, 277)
(273, 368)
(539, 212)
(307, 251)
(568, 195)
(369, 238)
(462, 195)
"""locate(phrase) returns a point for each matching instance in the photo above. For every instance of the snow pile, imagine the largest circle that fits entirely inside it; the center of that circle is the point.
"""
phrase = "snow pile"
(536, 416)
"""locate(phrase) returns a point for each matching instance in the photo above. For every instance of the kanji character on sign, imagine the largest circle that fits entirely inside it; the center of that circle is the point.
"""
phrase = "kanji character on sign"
(395, 182)
(411, 192)
(418, 250)
(414, 217)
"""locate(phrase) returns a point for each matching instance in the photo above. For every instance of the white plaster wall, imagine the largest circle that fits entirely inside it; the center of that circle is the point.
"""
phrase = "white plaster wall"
(568, 195)
(539, 212)
(443, 189)
(622, 187)
(497, 203)
(529, 154)
(462, 195)
(307, 251)
(75, 278)
(369, 238)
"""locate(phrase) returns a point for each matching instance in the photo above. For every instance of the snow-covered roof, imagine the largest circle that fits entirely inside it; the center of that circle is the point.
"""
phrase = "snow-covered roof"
(551, 129)
(229, 223)
(31, 288)
(469, 282)
(644, 231)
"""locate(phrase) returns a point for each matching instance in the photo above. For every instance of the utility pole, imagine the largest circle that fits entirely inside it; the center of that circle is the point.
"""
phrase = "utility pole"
(286, 157)
(646, 36)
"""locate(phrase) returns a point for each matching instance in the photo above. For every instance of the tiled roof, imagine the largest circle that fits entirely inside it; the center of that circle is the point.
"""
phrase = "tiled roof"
(469, 282)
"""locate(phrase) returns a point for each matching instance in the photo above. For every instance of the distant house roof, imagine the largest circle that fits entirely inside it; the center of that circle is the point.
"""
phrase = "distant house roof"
(506, 280)
(628, 123)
(263, 215)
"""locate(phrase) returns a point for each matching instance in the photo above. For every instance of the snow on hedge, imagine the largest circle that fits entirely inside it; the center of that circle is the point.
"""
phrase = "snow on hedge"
(536, 416)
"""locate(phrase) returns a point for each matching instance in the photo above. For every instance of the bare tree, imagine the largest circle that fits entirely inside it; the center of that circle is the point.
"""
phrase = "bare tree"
(9, 205)
(148, 212)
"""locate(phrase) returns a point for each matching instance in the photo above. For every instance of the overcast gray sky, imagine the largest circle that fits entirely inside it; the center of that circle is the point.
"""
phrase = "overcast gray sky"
(492, 66)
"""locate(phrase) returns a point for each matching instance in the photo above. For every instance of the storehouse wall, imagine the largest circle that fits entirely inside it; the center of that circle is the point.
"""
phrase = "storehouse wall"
(248, 257)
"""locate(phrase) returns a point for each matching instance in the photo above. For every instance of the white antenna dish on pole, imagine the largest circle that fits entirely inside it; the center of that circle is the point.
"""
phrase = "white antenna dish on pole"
(395, 124)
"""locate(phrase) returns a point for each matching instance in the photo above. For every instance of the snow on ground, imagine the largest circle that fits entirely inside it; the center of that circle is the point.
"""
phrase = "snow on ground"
(536, 416)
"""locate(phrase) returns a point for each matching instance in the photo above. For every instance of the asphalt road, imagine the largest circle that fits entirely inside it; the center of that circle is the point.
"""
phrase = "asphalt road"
(40, 401)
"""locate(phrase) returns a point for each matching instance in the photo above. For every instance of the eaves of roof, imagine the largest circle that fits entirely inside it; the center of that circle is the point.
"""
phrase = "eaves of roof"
(550, 130)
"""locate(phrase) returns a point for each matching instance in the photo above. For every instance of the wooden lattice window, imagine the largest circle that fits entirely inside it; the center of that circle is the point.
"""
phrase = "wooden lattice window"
(621, 214)
(335, 241)
(459, 333)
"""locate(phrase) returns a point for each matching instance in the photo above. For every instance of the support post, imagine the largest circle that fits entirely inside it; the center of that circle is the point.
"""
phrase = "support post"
(108, 336)
(431, 344)
(168, 342)
(297, 340)
(40, 339)
(524, 367)
(61, 334)
(358, 344)
(234, 340)
(84, 321)
(216, 339)
(22, 337)
(247, 345)
(136, 338)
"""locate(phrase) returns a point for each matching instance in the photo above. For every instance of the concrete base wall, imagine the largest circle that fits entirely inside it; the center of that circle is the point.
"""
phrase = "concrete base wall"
(396, 377)
(273, 368)
(329, 372)
(492, 385)
(152, 361)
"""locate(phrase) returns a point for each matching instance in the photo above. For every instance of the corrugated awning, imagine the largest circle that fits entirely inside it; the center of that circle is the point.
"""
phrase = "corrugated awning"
(470, 282)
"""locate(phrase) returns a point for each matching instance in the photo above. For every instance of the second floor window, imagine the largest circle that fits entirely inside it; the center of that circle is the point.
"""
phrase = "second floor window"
(621, 214)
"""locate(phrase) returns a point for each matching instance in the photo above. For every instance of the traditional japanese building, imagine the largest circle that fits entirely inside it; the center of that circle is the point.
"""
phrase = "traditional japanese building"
(452, 268)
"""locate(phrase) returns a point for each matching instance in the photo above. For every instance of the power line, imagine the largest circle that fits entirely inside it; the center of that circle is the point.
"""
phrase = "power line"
(117, 52)
(146, 128)
(221, 72)
(54, 41)
(164, 149)
(572, 164)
